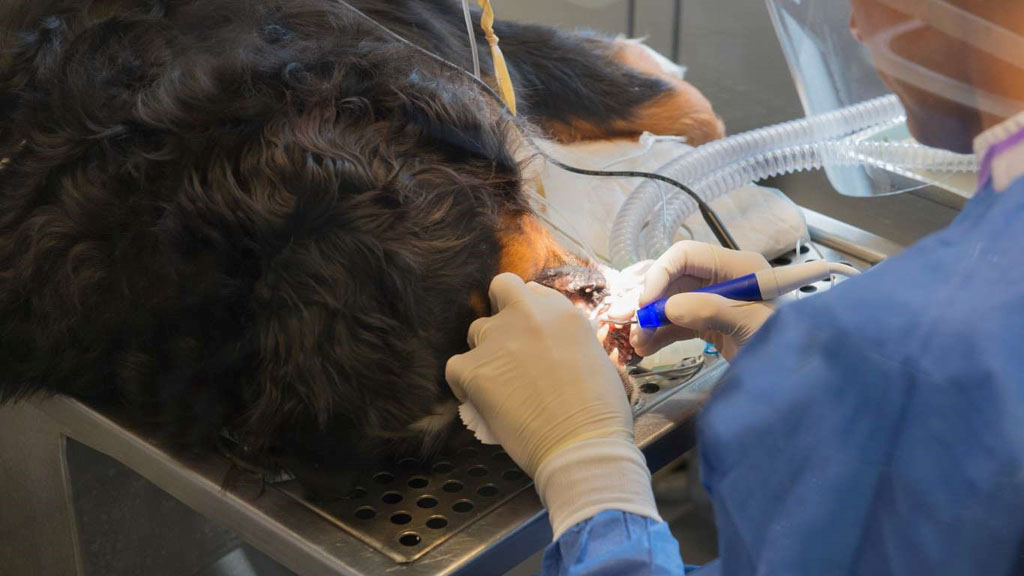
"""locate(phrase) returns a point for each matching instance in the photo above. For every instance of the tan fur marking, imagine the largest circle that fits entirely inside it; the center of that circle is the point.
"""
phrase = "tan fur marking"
(527, 247)
(478, 304)
(683, 111)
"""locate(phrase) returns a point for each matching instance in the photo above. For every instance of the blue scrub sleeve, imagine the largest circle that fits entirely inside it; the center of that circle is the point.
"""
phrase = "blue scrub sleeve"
(877, 430)
(614, 543)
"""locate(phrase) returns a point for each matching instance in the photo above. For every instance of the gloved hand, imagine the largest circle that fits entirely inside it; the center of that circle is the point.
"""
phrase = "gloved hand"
(540, 379)
(690, 265)
(538, 375)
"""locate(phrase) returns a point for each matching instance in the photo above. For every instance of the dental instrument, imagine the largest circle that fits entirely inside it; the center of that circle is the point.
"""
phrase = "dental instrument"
(767, 284)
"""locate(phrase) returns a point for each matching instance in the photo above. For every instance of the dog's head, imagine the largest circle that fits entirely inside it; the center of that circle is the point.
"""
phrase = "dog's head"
(261, 216)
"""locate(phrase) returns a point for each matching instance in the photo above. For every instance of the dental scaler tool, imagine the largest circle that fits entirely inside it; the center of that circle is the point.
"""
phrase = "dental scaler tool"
(767, 284)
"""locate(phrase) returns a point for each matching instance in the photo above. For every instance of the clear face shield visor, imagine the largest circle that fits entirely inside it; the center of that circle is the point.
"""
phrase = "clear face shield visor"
(958, 67)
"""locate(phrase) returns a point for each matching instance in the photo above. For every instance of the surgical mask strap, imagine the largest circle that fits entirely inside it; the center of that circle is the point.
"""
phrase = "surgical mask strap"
(501, 74)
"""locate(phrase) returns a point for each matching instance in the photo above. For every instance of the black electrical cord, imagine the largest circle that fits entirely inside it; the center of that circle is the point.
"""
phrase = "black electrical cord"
(709, 215)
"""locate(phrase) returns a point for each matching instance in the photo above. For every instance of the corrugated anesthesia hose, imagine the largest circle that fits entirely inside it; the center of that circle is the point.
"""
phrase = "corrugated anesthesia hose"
(625, 236)
(647, 203)
(894, 157)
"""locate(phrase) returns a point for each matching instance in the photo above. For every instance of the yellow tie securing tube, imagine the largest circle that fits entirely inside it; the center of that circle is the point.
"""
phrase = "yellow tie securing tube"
(501, 75)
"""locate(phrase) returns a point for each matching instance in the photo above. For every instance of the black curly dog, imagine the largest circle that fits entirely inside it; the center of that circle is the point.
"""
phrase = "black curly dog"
(267, 217)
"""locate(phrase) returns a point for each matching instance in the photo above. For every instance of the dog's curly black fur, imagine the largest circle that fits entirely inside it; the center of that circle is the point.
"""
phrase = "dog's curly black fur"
(260, 215)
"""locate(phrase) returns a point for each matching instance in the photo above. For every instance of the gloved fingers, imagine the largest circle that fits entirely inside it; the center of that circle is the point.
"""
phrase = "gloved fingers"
(457, 372)
(666, 269)
(686, 258)
(621, 315)
(477, 330)
(706, 263)
(647, 342)
(736, 263)
(506, 289)
(659, 285)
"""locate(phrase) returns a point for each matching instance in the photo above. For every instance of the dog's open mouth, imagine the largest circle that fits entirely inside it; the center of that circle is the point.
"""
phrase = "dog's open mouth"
(587, 287)
(615, 339)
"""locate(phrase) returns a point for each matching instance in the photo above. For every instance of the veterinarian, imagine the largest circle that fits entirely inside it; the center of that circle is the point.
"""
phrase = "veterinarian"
(875, 429)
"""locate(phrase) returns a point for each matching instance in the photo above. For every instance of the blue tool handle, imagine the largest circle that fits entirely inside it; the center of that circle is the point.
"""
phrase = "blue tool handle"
(744, 288)
(653, 315)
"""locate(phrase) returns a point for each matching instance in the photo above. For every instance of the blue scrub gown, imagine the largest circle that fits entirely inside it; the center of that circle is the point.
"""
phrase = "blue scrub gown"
(875, 429)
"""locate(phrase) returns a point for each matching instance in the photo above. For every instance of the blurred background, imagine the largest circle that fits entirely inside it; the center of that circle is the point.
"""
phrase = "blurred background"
(734, 58)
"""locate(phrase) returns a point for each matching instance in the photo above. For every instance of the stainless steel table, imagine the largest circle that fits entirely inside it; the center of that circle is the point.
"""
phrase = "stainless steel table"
(65, 508)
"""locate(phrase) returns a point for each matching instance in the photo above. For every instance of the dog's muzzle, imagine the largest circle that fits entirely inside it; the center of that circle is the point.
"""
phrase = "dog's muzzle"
(587, 288)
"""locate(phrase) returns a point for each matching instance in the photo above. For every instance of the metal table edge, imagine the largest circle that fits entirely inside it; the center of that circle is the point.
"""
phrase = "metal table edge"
(307, 544)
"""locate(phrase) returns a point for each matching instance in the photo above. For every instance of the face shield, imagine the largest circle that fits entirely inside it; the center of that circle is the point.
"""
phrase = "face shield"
(957, 66)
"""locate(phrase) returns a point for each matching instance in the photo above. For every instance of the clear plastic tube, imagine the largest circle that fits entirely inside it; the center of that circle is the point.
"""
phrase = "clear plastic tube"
(472, 38)
(625, 237)
(894, 157)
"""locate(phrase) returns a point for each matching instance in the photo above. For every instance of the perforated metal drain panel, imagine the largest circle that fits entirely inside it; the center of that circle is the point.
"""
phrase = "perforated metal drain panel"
(405, 511)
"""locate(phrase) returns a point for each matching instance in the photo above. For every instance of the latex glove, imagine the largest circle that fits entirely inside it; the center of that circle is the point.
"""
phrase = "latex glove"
(690, 265)
(540, 379)
(538, 375)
